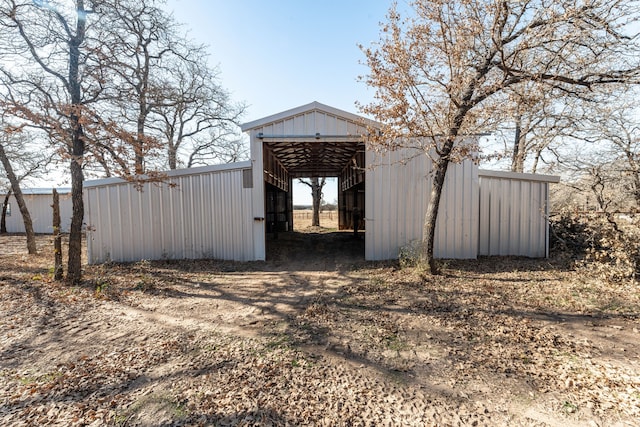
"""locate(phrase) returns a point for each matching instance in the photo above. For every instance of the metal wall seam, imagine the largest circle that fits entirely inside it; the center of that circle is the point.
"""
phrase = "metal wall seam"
(397, 195)
(512, 217)
(178, 222)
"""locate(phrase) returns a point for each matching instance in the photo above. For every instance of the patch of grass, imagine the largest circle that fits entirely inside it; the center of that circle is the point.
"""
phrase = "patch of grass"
(30, 380)
(145, 284)
(395, 343)
(614, 305)
(410, 255)
(154, 404)
(279, 342)
(101, 288)
(526, 359)
(568, 407)
(27, 380)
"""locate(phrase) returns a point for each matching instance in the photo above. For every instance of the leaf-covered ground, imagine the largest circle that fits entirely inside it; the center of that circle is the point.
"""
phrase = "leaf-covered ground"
(316, 336)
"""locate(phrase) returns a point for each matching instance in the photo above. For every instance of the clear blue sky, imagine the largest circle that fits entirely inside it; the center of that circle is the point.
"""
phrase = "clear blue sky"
(275, 55)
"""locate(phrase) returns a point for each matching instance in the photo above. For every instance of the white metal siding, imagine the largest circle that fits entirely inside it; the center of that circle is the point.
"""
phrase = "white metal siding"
(513, 215)
(397, 193)
(41, 212)
(258, 228)
(204, 213)
(309, 123)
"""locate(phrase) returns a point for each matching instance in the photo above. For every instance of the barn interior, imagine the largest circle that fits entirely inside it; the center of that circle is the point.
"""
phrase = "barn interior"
(290, 158)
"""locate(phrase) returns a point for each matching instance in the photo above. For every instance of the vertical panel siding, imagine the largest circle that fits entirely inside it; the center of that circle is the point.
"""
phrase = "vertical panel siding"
(310, 123)
(513, 216)
(456, 232)
(205, 215)
(41, 212)
(397, 192)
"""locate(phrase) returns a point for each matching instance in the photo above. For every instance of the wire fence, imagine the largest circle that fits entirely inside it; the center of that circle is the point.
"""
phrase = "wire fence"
(329, 215)
(302, 219)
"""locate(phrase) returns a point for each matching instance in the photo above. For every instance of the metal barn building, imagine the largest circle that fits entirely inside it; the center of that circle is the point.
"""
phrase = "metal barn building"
(39, 201)
(226, 211)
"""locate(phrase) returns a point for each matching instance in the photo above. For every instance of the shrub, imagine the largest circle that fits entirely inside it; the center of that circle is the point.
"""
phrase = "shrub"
(608, 245)
(410, 255)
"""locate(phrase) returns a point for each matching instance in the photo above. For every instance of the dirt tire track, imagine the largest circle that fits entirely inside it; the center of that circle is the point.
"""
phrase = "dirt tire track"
(300, 340)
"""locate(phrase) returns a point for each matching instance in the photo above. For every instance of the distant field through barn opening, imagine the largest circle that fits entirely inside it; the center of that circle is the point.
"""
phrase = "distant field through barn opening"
(302, 220)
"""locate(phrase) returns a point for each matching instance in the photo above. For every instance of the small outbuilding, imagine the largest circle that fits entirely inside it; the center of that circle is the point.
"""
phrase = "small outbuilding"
(39, 201)
(226, 211)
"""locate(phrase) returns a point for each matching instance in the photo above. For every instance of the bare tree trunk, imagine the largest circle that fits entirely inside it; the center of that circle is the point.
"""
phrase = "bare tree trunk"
(316, 184)
(440, 172)
(74, 263)
(635, 174)
(3, 219)
(431, 217)
(58, 270)
(316, 194)
(139, 147)
(536, 160)
(172, 154)
(17, 193)
(517, 159)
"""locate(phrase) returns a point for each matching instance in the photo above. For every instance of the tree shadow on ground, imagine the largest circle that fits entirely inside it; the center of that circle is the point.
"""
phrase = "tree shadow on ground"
(384, 319)
(315, 251)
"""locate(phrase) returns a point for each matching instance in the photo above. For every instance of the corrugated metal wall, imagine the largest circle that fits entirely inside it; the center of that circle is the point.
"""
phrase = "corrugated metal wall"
(309, 123)
(397, 192)
(206, 214)
(514, 214)
(41, 213)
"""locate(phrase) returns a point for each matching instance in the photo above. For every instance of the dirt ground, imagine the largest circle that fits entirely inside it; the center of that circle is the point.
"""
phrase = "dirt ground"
(316, 336)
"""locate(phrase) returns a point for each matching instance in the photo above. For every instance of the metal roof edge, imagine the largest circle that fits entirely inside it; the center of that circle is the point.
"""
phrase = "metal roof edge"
(174, 173)
(518, 175)
(313, 106)
(44, 191)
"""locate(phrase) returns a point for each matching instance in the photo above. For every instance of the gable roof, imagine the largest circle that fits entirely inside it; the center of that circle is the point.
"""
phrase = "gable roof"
(314, 106)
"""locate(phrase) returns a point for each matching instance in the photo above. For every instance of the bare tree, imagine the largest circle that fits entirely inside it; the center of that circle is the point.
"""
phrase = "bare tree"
(614, 135)
(90, 74)
(217, 147)
(22, 162)
(166, 104)
(195, 116)
(603, 164)
(51, 75)
(17, 193)
(143, 42)
(541, 121)
(5, 209)
(316, 185)
(443, 73)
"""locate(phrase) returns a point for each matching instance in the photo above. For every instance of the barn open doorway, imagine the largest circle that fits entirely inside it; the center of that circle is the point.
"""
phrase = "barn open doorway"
(289, 230)
(313, 140)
